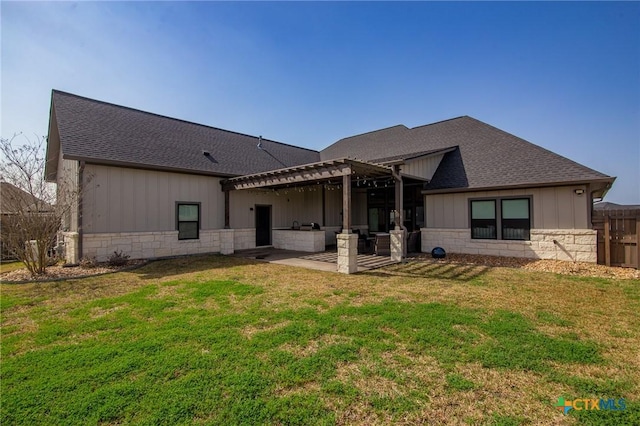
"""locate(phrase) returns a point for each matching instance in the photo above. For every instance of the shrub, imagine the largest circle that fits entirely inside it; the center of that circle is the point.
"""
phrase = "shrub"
(118, 259)
(88, 262)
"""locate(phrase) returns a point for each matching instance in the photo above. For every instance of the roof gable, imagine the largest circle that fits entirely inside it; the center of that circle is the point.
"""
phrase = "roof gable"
(486, 156)
(100, 132)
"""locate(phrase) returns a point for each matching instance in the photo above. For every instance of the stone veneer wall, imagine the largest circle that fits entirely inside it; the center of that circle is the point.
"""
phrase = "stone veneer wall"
(70, 247)
(309, 241)
(148, 245)
(570, 244)
(244, 238)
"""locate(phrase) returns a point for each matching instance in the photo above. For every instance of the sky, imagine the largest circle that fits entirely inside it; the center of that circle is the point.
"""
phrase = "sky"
(562, 75)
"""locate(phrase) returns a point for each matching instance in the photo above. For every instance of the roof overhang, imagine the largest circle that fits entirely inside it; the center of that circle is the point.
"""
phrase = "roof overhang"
(308, 174)
(597, 186)
(402, 159)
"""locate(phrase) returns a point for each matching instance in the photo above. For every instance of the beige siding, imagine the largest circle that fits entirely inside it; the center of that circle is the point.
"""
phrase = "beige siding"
(553, 208)
(422, 167)
(287, 206)
(67, 191)
(333, 207)
(125, 200)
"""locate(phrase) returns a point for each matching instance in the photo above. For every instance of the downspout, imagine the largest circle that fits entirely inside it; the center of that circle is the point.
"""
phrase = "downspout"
(80, 200)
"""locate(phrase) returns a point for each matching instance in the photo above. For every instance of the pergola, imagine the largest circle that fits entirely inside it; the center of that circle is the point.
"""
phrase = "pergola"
(344, 170)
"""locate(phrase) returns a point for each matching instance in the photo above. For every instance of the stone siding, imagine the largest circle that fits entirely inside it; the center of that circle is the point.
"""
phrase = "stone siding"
(558, 244)
(244, 238)
(347, 253)
(70, 247)
(309, 241)
(149, 245)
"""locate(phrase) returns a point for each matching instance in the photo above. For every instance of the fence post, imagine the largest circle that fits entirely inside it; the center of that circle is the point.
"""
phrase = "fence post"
(638, 241)
(607, 242)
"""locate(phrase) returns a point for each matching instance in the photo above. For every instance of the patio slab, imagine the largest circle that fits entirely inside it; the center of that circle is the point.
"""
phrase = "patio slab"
(325, 261)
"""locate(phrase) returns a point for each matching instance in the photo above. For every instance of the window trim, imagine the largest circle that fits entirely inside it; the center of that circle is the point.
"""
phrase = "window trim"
(178, 221)
(498, 201)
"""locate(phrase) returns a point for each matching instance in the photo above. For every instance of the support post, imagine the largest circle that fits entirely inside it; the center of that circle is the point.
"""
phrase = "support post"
(226, 210)
(638, 242)
(398, 235)
(347, 242)
(399, 199)
(346, 202)
(607, 241)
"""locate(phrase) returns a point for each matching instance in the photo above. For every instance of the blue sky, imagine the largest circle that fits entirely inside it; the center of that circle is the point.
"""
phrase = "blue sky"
(565, 76)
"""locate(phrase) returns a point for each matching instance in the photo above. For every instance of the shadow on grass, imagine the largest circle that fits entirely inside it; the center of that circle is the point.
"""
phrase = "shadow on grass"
(448, 271)
(189, 264)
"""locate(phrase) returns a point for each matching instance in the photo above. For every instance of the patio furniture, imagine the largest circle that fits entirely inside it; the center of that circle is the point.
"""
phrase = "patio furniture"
(383, 244)
(413, 242)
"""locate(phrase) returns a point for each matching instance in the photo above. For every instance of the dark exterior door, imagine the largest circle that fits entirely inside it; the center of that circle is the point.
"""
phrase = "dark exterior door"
(263, 226)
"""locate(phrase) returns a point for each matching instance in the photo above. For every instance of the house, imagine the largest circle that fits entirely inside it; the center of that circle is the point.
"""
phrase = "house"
(17, 207)
(154, 186)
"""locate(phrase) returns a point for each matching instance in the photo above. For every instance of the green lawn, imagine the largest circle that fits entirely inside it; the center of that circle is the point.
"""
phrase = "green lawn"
(10, 266)
(219, 340)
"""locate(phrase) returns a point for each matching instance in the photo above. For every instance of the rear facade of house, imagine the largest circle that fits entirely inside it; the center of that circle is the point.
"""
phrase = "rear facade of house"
(152, 186)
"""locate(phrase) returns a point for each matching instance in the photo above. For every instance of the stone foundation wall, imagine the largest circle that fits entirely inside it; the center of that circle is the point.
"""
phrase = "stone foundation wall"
(149, 245)
(309, 241)
(70, 247)
(558, 244)
(244, 238)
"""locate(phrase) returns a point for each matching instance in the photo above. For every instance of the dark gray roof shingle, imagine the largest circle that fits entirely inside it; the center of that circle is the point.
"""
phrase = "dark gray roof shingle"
(486, 156)
(106, 133)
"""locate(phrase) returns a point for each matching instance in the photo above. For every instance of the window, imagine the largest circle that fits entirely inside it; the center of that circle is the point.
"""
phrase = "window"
(483, 219)
(188, 221)
(501, 218)
(516, 220)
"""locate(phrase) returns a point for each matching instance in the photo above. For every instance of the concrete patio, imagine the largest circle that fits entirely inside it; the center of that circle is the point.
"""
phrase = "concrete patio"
(325, 261)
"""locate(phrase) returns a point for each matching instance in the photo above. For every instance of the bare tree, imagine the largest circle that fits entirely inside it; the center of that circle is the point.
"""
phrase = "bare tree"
(31, 217)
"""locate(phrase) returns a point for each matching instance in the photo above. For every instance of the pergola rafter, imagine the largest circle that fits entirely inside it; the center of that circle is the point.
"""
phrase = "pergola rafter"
(341, 172)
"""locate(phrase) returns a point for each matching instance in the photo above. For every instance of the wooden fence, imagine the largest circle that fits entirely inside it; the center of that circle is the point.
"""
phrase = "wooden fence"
(618, 237)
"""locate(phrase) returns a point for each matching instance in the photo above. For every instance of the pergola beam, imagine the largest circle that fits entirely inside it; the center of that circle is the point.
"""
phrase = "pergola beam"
(306, 174)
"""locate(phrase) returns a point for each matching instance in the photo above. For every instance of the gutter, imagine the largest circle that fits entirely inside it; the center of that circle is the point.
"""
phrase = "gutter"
(607, 180)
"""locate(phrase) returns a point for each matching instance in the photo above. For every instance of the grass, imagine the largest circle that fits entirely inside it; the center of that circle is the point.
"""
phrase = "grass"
(219, 340)
(10, 266)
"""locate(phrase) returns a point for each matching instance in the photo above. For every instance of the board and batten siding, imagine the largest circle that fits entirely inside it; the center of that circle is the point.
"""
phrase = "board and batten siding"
(119, 199)
(67, 190)
(333, 207)
(552, 207)
(287, 206)
(422, 167)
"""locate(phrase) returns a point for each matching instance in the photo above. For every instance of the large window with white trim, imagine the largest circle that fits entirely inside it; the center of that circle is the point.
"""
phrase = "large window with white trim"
(188, 220)
(500, 218)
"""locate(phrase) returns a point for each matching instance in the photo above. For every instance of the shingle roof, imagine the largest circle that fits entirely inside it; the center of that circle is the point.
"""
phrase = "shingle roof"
(14, 199)
(486, 157)
(106, 133)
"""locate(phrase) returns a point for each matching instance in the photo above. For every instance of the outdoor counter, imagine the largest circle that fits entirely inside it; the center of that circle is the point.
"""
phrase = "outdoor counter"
(291, 239)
